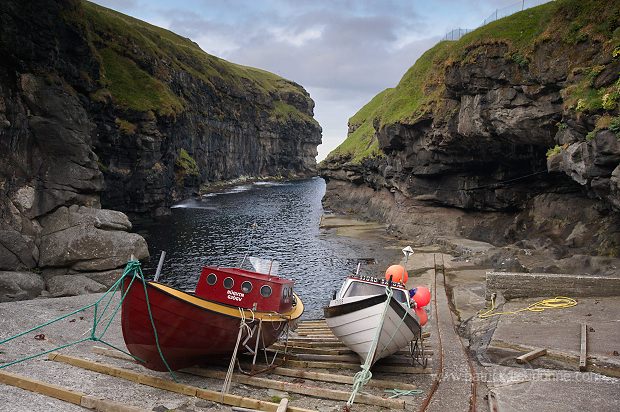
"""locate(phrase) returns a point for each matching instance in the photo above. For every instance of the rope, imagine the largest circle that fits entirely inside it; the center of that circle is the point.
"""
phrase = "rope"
(399, 392)
(133, 270)
(559, 302)
(231, 367)
(362, 377)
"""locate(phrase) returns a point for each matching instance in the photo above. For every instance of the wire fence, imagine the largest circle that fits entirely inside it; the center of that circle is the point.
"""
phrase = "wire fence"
(456, 34)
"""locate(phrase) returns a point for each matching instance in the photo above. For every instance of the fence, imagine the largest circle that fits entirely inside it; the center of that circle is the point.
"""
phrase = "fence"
(456, 34)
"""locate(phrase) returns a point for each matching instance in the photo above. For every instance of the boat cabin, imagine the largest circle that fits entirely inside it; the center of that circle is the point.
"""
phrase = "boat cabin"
(358, 285)
(245, 289)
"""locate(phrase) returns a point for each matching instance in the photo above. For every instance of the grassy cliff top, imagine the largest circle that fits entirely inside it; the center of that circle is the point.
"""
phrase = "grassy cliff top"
(419, 92)
(138, 60)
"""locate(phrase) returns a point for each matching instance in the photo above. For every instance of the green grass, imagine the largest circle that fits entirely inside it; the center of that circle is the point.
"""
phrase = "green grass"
(186, 164)
(139, 48)
(420, 92)
(133, 88)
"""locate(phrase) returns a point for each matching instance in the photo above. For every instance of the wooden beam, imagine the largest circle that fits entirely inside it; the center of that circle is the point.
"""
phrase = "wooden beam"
(313, 344)
(64, 394)
(536, 353)
(338, 378)
(283, 405)
(313, 391)
(293, 373)
(356, 367)
(584, 348)
(316, 351)
(171, 386)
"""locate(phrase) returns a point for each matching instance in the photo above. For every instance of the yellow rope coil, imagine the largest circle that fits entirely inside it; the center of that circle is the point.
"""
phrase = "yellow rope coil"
(559, 302)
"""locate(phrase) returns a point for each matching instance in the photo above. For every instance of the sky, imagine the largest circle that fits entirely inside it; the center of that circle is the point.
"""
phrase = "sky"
(343, 52)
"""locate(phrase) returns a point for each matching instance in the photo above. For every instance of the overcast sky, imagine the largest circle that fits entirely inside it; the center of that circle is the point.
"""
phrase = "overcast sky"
(342, 51)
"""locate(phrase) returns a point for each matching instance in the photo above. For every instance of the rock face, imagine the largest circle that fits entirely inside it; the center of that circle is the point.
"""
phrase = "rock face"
(101, 110)
(472, 159)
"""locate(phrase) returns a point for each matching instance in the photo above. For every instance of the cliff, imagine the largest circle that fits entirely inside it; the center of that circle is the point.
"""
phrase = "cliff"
(98, 109)
(509, 135)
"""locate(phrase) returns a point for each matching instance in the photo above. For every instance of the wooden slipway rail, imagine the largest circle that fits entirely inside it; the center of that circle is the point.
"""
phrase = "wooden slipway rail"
(317, 371)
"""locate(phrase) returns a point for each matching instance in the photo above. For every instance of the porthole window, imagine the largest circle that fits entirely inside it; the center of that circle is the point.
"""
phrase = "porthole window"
(265, 291)
(228, 283)
(246, 287)
(211, 279)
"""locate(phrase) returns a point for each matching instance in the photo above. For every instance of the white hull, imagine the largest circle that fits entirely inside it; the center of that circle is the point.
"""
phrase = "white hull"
(356, 321)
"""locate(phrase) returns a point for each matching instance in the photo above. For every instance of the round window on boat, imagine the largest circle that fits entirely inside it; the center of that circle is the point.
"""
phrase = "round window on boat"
(246, 287)
(228, 283)
(211, 279)
(265, 291)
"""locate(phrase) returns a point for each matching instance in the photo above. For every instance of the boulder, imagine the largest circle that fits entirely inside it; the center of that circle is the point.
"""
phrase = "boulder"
(106, 278)
(20, 286)
(16, 251)
(72, 285)
(87, 239)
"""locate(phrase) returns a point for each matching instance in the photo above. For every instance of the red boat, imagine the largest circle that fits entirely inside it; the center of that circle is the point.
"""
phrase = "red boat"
(194, 328)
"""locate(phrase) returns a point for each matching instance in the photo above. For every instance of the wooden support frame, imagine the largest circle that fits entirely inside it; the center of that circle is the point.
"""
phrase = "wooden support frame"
(583, 353)
(167, 384)
(536, 353)
(65, 394)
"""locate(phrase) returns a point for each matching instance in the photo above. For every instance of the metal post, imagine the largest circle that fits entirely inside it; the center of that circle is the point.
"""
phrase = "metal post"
(522, 4)
(160, 265)
(495, 14)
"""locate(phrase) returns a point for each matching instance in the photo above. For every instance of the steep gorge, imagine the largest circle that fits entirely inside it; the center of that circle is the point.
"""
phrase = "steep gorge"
(100, 110)
(509, 135)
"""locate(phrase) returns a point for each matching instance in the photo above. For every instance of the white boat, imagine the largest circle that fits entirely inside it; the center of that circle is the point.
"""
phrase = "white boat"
(356, 312)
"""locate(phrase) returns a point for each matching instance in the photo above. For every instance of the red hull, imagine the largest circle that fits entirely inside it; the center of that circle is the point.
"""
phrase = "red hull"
(190, 330)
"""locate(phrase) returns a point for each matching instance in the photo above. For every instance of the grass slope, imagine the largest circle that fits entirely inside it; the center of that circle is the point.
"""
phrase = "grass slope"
(137, 60)
(419, 92)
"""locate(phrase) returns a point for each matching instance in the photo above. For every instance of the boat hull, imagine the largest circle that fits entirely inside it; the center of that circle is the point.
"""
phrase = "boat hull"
(190, 330)
(356, 324)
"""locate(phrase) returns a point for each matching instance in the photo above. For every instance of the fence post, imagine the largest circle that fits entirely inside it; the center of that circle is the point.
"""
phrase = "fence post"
(522, 4)
(495, 14)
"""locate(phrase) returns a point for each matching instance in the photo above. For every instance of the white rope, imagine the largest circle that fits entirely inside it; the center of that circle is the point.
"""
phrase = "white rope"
(242, 326)
(362, 377)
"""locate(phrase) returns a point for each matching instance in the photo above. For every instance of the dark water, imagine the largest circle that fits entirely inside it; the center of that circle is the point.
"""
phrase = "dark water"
(217, 230)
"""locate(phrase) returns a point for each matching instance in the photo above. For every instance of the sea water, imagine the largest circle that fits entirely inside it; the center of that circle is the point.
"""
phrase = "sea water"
(277, 220)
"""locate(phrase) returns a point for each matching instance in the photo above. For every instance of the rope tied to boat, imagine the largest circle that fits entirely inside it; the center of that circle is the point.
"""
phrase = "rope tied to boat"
(132, 270)
(559, 302)
(243, 325)
(362, 377)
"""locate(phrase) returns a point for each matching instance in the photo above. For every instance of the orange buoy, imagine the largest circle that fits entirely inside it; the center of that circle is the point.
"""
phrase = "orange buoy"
(397, 273)
(422, 316)
(422, 296)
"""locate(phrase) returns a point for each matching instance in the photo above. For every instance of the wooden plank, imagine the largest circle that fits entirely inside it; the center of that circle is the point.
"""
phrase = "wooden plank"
(536, 353)
(317, 351)
(356, 367)
(44, 388)
(353, 359)
(283, 405)
(313, 391)
(314, 344)
(104, 405)
(65, 394)
(584, 348)
(307, 339)
(171, 386)
(316, 335)
(338, 378)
